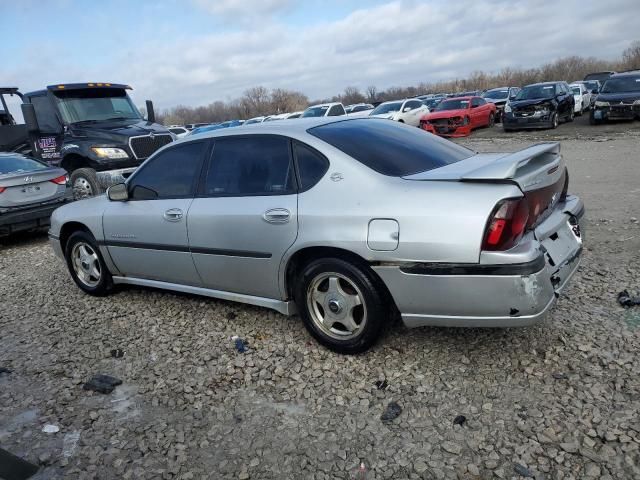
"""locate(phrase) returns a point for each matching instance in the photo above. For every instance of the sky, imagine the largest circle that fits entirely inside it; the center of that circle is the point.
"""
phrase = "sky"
(193, 52)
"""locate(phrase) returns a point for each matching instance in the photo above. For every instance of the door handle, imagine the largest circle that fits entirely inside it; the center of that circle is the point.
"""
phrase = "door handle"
(277, 215)
(173, 215)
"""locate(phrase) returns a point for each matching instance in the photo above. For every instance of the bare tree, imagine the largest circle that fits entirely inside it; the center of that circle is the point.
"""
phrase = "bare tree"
(352, 95)
(631, 57)
(372, 93)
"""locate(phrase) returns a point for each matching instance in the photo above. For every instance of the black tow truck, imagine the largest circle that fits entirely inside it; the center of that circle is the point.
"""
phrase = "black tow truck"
(92, 130)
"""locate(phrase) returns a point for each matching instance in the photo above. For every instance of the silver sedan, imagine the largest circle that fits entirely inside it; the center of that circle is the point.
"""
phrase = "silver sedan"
(348, 222)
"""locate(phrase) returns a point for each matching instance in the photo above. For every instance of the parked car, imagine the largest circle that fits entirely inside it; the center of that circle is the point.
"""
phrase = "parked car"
(294, 115)
(216, 126)
(433, 102)
(29, 191)
(191, 126)
(540, 105)
(593, 86)
(499, 97)
(407, 111)
(582, 98)
(600, 76)
(178, 131)
(324, 110)
(365, 226)
(253, 120)
(458, 117)
(619, 98)
(358, 107)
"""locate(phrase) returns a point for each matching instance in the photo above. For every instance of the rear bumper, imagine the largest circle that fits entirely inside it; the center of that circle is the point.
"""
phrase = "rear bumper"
(492, 295)
(12, 221)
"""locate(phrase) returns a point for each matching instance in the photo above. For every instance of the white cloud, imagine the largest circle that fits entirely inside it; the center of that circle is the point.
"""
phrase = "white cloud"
(397, 43)
(241, 9)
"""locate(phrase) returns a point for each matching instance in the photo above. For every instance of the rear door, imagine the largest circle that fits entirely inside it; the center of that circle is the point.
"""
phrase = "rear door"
(147, 235)
(245, 216)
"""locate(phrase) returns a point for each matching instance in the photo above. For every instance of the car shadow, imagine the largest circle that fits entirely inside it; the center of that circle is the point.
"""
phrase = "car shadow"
(23, 238)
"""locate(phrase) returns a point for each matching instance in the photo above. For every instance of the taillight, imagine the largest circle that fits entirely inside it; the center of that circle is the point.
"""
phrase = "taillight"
(61, 180)
(2, 189)
(506, 224)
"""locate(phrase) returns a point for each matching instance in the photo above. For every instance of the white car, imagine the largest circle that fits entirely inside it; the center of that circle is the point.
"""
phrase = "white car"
(293, 115)
(324, 110)
(178, 131)
(582, 96)
(257, 120)
(408, 111)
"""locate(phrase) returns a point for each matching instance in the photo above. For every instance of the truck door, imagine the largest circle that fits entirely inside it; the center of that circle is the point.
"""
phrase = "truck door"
(46, 144)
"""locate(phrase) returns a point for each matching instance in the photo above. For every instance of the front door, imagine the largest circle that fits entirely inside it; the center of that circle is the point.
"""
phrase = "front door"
(246, 215)
(147, 235)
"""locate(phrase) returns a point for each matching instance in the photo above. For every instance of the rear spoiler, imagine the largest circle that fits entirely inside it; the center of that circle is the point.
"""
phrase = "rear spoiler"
(534, 167)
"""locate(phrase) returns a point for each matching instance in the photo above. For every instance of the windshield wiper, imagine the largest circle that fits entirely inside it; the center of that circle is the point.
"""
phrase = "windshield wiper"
(85, 121)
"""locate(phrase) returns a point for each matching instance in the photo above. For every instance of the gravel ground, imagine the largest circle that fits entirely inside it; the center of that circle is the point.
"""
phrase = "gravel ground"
(560, 400)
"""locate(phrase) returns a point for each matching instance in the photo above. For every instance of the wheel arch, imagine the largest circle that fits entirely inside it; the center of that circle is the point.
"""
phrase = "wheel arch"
(69, 229)
(307, 254)
(74, 161)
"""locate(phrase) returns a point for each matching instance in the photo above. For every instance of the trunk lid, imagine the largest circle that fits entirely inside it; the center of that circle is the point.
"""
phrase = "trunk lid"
(539, 171)
(26, 188)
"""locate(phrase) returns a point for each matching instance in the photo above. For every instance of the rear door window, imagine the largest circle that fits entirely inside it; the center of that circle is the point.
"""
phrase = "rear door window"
(250, 165)
(388, 147)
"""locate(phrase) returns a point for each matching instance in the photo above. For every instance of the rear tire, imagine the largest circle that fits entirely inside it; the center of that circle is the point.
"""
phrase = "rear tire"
(492, 120)
(554, 121)
(85, 183)
(86, 264)
(341, 304)
(571, 115)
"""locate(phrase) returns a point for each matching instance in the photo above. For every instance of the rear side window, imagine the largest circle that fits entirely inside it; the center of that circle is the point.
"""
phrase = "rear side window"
(250, 165)
(335, 111)
(390, 148)
(170, 174)
(311, 165)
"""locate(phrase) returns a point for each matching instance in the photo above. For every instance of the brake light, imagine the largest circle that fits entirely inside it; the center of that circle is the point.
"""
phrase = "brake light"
(61, 180)
(506, 224)
(2, 189)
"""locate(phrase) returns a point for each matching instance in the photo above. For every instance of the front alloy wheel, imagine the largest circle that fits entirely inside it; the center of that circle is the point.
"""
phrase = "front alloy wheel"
(86, 264)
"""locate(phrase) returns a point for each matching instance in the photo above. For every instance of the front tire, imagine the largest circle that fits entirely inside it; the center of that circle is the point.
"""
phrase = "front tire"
(571, 115)
(492, 120)
(554, 121)
(86, 264)
(341, 304)
(85, 183)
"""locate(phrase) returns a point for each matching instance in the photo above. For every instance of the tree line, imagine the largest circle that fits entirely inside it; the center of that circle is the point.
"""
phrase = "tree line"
(259, 100)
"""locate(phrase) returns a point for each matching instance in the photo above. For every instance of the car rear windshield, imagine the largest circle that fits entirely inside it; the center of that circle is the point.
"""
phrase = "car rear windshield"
(17, 164)
(315, 111)
(622, 85)
(390, 148)
(453, 105)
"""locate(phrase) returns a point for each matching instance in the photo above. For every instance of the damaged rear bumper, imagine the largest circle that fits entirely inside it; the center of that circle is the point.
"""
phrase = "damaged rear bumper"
(492, 294)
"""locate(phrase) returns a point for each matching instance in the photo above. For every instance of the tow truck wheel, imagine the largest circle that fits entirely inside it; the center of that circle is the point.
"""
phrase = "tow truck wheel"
(85, 183)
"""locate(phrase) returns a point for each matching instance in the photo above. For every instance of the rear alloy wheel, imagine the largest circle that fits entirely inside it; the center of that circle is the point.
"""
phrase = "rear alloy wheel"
(86, 264)
(84, 182)
(340, 305)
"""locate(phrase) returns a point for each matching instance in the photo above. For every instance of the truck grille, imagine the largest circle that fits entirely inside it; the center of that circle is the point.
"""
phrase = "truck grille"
(144, 146)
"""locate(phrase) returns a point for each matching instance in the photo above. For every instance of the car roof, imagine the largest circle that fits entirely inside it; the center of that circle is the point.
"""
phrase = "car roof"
(463, 97)
(630, 73)
(545, 83)
(324, 105)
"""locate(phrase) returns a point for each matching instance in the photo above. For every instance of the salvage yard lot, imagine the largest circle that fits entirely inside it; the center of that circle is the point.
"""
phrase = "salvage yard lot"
(559, 400)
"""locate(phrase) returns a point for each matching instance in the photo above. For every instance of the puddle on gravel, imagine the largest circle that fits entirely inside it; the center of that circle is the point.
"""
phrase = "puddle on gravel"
(632, 319)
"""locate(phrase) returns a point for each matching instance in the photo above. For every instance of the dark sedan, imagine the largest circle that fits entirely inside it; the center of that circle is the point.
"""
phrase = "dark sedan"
(29, 192)
(540, 105)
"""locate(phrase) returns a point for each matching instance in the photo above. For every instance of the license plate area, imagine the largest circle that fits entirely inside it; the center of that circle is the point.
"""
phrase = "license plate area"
(31, 190)
(562, 249)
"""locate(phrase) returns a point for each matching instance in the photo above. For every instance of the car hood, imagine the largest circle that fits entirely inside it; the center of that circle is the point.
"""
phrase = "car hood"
(445, 114)
(389, 115)
(628, 97)
(119, 131)
(526, 103)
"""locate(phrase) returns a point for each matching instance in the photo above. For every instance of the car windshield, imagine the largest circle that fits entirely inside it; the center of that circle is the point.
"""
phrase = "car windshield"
(17, 164)
(498, 94)
(315, 111)
(591, 85)
(576, 90)
(95, 105)
(432, 102)
(533, 92)
(390, 148)
(622, 85)
(455, 104)
(387, 108)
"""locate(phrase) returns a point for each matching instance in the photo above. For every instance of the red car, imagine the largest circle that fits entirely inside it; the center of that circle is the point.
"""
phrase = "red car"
(457, 117)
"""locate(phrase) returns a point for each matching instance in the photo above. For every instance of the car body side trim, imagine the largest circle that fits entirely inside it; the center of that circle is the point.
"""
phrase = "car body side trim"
(284, 307)
(180, 248)
(526, 268)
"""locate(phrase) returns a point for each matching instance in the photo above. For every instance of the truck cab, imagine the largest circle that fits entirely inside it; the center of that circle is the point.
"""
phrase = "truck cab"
(92, 130)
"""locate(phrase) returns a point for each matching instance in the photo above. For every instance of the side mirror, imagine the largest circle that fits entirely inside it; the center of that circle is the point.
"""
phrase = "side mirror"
(30, 119)
(594, 91)
(151, 114)
(118, 193)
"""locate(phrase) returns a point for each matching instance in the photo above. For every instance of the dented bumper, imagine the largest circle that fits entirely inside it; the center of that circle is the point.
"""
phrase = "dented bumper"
(493, 295)
(448, 130)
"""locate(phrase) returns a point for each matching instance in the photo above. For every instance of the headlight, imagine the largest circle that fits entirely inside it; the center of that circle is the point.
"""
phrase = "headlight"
(637, 102)
(601, 104)
(507, 108)
(110, 152)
